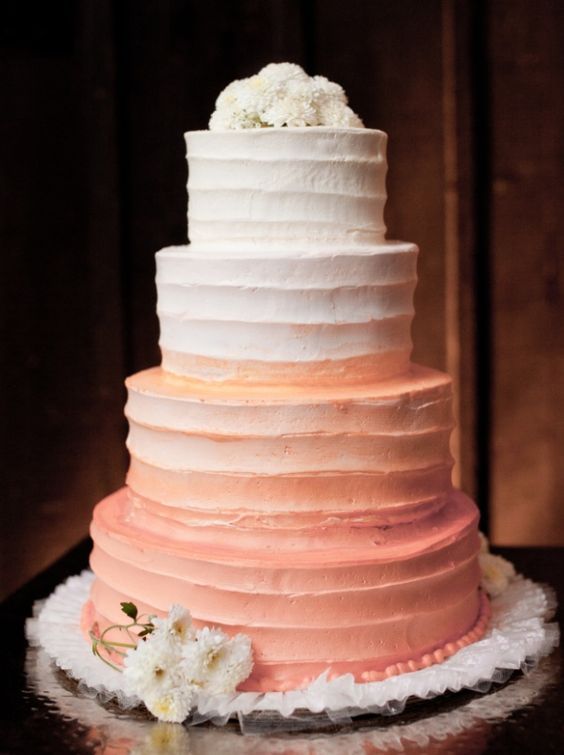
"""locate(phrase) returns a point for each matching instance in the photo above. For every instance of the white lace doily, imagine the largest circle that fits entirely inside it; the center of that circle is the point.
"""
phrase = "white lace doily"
(518, 635)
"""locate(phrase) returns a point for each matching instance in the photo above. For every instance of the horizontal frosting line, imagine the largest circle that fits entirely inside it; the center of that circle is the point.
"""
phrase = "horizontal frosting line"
(116, 564)
(284, 343)
(293, 518)
(404, 542)
(255, 223)
(320, 576)
(293, 402)
(417, 383)
(278, 287)
(342, 609)
(284, 477)
(214, 190)
(268, 305)
(214, 263)
(331, 161)
(276, 435)
(330, 630)
(174, 450)
(328, 325)
(332, 539)
(311, 254)
(269, 494)
(225, 318)
(241, 427)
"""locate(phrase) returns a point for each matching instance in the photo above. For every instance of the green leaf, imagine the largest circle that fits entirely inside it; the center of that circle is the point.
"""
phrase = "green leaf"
(129, 609)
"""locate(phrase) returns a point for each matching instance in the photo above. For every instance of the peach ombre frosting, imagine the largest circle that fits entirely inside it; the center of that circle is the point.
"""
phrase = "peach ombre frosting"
(290, 470)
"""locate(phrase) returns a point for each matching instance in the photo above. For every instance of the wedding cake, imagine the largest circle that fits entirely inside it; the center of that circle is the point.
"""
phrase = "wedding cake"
(290, 473)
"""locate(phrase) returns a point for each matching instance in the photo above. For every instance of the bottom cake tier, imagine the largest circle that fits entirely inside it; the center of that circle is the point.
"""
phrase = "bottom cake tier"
(368, 600)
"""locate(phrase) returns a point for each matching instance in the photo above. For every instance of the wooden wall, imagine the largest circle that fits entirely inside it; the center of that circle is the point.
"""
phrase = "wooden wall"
(96, 96)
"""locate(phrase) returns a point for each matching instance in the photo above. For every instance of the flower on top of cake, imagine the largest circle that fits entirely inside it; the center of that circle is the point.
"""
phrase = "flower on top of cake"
(282, 94)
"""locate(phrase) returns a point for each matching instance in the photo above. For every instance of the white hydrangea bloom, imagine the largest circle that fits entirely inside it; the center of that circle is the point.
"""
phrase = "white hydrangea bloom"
(280, 73)
(216, 663)
(497, 572)
(338, 114)
(177, 625)
(282, 94)
(329, 89)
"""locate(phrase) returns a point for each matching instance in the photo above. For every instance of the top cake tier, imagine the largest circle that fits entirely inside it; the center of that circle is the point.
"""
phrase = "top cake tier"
(272, 187)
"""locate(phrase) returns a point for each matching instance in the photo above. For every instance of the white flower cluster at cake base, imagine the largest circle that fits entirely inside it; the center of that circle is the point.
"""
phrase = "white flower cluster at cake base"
(497, 572)
(175, 663)
(282, 94)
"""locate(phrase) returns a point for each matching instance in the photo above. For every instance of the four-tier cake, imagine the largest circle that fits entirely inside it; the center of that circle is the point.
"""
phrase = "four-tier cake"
(290, 472)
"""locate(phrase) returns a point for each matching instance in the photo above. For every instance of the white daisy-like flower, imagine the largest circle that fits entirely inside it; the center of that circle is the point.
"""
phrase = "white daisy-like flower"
(497, 572)
(217, 663)
(172, 705)
(282, 94)
(153, 665)
(177, 625)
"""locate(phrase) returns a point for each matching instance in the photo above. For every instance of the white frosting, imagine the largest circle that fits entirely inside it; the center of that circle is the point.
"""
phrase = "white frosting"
(281, 309)
(347, 304)
(304, 185)
(281, 342)
(287, 268)
(388, 263)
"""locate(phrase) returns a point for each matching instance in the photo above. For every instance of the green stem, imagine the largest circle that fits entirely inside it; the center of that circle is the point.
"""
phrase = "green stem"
(105, 660)
(111, 643)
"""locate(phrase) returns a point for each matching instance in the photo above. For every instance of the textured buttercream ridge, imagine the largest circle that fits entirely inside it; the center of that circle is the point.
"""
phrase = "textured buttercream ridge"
(230, 159)
(307, 254)
(308, 474)
(459, 521)
(301, 612)
(357, 137)
(154, 381)
(234, 437)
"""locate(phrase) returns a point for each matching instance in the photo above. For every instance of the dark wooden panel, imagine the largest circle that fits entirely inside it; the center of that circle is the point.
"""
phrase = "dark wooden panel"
(174, 59)
(462, 239)
(395, 83)
(61, 327)
(526, 57)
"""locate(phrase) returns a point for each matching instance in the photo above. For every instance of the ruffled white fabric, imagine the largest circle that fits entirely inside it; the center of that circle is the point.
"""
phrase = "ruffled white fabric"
(518, 636)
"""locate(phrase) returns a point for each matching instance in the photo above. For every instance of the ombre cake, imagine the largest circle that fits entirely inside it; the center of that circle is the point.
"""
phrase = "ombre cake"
(290, 470)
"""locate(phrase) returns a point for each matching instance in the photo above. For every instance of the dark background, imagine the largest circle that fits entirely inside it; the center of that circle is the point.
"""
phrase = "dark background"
(95, 97)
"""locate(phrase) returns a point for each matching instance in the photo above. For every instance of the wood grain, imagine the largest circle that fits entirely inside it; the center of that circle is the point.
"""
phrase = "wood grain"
(174, 59)
(62, 422)
(526, 58)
